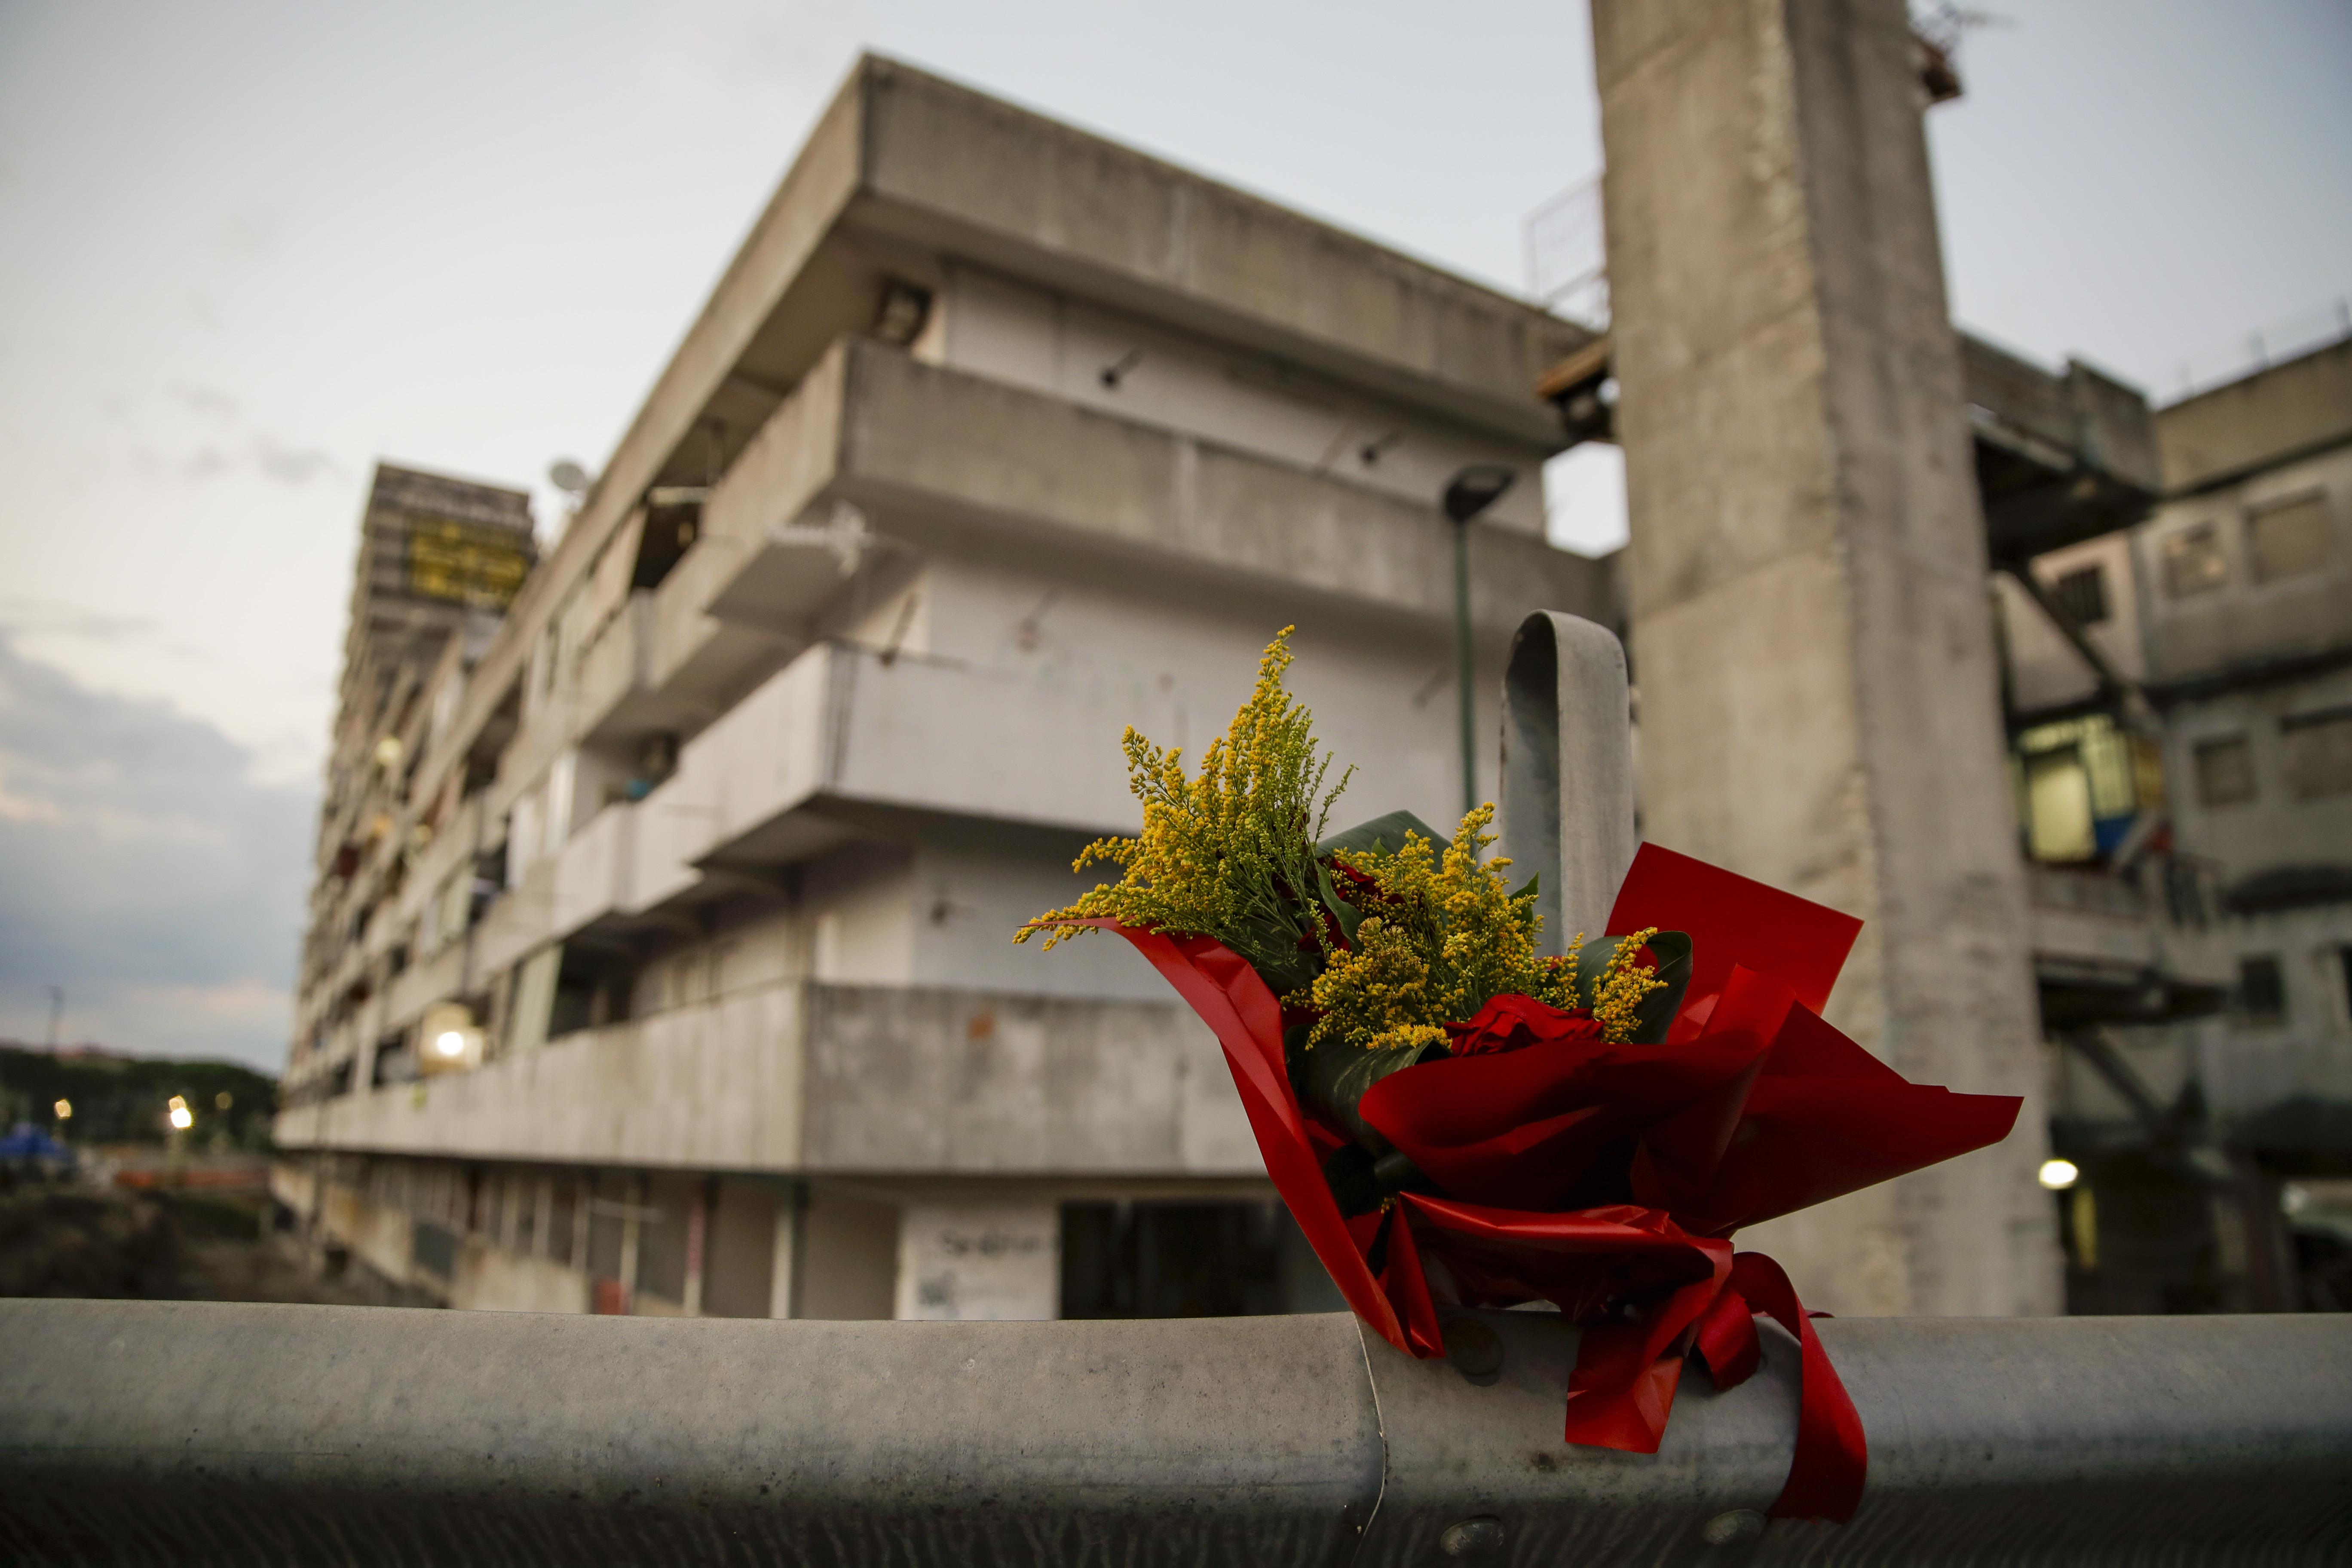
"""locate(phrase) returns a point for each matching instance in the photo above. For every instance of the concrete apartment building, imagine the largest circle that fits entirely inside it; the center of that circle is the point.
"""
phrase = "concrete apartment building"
(665, 967)
(660, 956)
(2224, 626)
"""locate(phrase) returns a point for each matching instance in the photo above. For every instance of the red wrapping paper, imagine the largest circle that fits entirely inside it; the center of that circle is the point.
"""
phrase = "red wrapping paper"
(1607, 1179)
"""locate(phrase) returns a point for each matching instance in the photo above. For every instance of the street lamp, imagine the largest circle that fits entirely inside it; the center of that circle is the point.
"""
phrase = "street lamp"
(1468, 493)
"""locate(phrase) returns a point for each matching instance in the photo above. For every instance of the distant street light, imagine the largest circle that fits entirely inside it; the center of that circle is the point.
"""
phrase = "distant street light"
(450, 1043)
(64, 1109)
(180, 1117)
(2058, 1174)
(1468, 493)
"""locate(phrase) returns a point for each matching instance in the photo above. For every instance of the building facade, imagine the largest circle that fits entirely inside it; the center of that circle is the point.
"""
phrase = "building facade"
(661, 951)
(2208, 770)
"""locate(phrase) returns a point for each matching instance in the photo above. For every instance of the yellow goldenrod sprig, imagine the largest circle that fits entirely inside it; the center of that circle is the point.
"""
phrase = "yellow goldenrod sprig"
(1447, 937)
(1621, 987)
(1230, 853)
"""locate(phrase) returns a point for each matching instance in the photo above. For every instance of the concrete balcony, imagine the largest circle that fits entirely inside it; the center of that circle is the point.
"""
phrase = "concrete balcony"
(423, 982)
(835, 1079)
(937, 452)
(516, 922)
(2104, 951)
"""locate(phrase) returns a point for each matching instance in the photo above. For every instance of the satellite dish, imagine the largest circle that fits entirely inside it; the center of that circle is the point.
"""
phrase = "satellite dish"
(569, 477)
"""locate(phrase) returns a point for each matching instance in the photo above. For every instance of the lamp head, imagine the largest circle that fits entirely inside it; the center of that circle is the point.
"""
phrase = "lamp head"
(1476, 488)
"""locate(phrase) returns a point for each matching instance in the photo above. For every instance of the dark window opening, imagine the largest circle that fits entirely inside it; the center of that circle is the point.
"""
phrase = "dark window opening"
(2082, 596)
(1188, 1260)
(2262, 990)
(2193, 562)
(2225, 770)
(609, 1202)
(396, 1061)
(593, 988)
(562, 1218)
(670, 531)
(2318, 753)
(433, 1248)
(661, 1238)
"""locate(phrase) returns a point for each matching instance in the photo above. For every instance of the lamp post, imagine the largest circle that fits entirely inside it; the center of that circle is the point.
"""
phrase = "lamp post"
(1468, 493)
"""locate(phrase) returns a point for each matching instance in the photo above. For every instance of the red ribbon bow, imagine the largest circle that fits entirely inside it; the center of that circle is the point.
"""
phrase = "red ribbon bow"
(1753, 1107)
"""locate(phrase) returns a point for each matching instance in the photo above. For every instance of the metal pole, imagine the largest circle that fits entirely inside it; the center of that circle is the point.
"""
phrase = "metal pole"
(1465, 677)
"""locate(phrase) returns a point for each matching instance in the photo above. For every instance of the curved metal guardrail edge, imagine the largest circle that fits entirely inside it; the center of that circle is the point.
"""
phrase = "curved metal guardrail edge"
(135, 1432)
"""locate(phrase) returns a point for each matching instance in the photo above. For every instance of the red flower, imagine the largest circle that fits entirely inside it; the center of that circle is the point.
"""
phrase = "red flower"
(1511, 1022)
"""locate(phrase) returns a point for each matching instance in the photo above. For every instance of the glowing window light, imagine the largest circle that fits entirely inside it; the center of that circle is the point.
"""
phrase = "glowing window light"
(2058, 1174)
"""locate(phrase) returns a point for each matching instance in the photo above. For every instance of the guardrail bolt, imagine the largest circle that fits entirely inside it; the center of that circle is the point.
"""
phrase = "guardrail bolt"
(1473, 1538)
(1740, 1524)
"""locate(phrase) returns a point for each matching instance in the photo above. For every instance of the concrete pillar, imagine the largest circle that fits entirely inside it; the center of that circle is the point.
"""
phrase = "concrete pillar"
(1818, 695)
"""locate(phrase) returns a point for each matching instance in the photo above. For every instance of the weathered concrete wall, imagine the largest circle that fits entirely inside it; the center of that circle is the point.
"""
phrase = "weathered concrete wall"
(492, 1279)
(1818, 687)
(1040, 198)
(963, 1083)
(2044, 669)
(890, 1080)
(1048, 340)
(2287, 411)
(2247, 612)
(698, 1087)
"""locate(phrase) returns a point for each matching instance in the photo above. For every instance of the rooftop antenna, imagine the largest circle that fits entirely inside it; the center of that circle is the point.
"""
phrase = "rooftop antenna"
(570, 477)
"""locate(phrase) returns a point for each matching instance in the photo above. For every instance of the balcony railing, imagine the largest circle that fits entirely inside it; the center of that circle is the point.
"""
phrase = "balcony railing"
(203, 1433)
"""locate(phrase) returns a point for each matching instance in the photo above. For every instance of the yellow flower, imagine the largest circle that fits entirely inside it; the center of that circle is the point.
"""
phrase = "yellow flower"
(1231, 853)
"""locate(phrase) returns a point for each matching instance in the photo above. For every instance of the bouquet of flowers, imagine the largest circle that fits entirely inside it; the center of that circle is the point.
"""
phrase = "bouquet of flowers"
(1455, 1118)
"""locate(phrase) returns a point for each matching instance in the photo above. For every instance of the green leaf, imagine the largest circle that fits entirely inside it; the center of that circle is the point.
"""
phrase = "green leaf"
(1672, 949)
(1333, 1077)
(1345, 915)
(1382, 834)
(1528, 888)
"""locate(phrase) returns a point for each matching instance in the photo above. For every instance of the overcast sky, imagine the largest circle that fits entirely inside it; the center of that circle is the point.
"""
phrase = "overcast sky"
(250, 248)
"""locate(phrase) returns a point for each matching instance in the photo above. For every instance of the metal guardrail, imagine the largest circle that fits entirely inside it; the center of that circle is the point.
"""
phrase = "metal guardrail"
(140, 1432)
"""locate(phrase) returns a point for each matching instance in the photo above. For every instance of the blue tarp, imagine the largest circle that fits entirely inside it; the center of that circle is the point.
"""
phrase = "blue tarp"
(27, 1142)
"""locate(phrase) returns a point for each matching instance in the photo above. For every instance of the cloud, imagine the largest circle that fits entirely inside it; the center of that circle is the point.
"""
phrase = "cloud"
(48, 617)
(293, 465)
(753, 47)
(143, 868)
(281, 462)
(209, 401)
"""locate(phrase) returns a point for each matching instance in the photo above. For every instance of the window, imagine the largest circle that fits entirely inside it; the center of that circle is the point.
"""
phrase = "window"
(2318, 753)
(2289, 538)
(2262, 990)
(2082, 596)
(2058, 806)
(2193, 562)
(1187, 1260)
(2225, 770)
